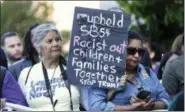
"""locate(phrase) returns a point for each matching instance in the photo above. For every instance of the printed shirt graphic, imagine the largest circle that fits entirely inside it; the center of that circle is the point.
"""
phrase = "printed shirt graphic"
(36, 94)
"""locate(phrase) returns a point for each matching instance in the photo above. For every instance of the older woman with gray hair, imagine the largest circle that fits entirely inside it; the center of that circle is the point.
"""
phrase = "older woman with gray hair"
(45, 84)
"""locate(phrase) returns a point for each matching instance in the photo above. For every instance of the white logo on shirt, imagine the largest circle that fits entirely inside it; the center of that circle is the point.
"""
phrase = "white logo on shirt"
(38, 89)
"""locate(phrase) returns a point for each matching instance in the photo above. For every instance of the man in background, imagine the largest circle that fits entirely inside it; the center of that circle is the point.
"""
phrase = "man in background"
(12, 46)
(173, 75)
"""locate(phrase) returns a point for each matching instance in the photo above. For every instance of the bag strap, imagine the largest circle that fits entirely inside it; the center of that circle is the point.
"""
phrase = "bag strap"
(2, 75)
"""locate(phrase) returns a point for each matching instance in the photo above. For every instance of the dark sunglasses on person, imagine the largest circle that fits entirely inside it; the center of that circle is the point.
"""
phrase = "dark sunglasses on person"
(132, 51)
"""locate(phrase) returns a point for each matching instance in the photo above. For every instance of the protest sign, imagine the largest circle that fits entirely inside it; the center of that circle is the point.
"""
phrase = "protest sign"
(98, 47)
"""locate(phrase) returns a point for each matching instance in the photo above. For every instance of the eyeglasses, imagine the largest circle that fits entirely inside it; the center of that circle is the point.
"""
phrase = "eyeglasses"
(132, 51)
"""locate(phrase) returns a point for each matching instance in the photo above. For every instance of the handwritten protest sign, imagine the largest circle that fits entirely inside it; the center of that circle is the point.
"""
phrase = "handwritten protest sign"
(98, 47)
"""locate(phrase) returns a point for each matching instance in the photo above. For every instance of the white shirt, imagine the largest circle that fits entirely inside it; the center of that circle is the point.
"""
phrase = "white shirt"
(35, 90)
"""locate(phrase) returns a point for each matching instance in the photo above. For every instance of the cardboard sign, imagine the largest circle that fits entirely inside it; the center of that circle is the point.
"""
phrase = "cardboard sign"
(98, 47)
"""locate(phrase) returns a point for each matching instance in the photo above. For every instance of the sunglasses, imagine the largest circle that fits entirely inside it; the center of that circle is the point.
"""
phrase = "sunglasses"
(132, 51)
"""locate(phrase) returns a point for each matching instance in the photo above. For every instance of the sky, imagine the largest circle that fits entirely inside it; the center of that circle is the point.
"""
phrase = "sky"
(64, 10)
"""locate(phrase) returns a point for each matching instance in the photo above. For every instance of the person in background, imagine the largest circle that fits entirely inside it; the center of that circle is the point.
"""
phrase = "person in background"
(174, 53)
(173, 75)
(140, 91)
(155, 56)
(166, 57)
(30, 55)
(45, 84)
(176, 46)
(12, 46)
(145, 59)
(9, 88)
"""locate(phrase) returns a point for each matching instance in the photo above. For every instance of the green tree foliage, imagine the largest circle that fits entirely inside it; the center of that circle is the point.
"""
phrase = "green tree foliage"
(164, 19)
(19, 15)
(65, 36)
(65, 39)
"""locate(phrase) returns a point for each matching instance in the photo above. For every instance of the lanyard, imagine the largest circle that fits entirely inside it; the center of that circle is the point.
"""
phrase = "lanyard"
(48, 86)
(63, 73)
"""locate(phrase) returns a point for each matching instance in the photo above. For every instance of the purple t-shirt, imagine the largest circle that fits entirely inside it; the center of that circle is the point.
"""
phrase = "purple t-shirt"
(12, 91)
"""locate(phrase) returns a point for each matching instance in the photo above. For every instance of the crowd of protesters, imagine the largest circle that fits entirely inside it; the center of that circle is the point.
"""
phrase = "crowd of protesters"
(33, 74)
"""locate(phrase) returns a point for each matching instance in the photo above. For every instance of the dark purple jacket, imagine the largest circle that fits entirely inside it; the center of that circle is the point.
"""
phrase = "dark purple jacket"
(12, 91)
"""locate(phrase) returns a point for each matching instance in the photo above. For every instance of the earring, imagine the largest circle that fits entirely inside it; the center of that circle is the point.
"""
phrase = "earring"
(40, 55)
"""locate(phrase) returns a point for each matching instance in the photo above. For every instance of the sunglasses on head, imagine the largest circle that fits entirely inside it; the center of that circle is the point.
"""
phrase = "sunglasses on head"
(132, 51)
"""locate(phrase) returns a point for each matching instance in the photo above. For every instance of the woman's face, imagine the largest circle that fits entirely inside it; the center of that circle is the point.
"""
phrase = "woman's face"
(134, 53)
(50, 45)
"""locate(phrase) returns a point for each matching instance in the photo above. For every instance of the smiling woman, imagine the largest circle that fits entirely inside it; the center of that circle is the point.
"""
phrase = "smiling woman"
(50, 95)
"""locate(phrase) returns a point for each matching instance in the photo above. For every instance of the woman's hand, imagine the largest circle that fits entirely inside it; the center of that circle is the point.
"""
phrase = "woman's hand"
(132, 107)
(149, 105)
(138, 106)
(123, 80)
(111, 92)
(134, 99)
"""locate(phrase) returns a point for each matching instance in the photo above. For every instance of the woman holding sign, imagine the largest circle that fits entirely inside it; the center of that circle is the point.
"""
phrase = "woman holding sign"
(45, 84)
(141, 89)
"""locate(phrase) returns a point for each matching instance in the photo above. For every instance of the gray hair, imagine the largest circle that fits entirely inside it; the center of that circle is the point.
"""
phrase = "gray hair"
(39, 32)
(177, 43)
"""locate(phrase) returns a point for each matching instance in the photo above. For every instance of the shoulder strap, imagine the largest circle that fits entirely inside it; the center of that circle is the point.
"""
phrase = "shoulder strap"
(2, 75)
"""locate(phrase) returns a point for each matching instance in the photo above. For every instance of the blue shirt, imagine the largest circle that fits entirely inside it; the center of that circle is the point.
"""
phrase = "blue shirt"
(97, 96)
(84, 91)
